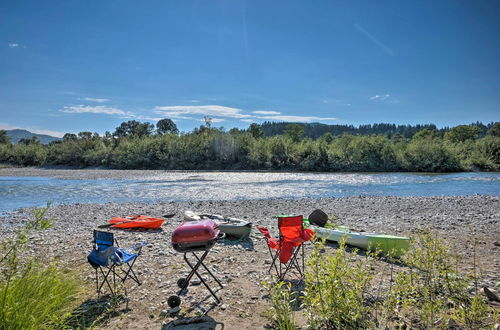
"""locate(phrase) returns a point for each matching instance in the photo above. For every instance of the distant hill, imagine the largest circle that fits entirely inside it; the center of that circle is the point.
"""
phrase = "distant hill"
(17, 134)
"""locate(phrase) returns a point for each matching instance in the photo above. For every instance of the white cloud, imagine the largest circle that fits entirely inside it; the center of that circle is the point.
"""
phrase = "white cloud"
(13, 45)
(387, 98)
(33, 130)
(213, 120)
(297, 118)
(91, 99)
(182, 111)
(99, 109)
(247, 120)
(380, 97)
(194, 101)
(263, 112)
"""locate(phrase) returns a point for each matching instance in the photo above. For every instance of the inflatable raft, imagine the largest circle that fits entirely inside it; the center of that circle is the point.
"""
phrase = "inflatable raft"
(136, 221)
(232, 227)
(386, 244)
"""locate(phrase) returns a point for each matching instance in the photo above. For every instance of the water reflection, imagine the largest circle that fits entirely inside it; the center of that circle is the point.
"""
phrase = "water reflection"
(18, 192)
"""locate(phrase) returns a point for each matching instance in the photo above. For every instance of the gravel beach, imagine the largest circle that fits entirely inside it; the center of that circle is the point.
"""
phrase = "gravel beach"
(243, 266)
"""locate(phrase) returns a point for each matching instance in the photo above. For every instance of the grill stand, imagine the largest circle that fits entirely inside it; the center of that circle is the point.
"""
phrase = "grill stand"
(183, 283)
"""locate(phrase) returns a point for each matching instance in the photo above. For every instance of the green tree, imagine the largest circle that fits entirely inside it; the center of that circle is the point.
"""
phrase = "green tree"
(133, 128)
(4, 138)
(33, 140)
(166, 126)
(69, 137)
(294, 132)
(494, 130)
(256, 131)
(462, 133)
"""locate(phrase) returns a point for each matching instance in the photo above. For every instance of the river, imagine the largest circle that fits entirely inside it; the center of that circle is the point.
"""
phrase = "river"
(26, 191)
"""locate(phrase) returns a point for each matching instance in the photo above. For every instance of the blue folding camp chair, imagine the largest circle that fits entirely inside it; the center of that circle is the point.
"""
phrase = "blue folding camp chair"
(113, 261)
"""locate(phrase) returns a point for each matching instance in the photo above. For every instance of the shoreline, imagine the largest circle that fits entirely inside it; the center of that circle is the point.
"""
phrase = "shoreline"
(242, 266)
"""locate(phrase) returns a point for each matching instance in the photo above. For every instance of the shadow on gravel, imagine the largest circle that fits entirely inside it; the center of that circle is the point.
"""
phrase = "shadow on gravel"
(97, 312)
(194, 323)
(246, 243)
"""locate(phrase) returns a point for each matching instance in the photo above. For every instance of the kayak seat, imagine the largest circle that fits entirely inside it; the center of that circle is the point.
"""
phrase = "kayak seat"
(286, 248)
(111, 262)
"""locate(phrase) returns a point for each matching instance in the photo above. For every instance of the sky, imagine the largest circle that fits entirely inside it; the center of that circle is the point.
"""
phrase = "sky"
(72, 66)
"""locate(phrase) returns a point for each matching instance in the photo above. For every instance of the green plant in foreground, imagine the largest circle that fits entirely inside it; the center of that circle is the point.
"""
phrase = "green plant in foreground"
(33, 295)
(334, 296)
(282, 302)
(430, 293)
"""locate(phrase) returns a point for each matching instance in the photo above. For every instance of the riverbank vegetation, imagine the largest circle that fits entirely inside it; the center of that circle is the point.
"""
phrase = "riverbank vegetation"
(424, 290)
(136, 145)
(34, 293)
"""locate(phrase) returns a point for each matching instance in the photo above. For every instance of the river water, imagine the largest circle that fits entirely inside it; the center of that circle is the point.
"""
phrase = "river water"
(17, 192)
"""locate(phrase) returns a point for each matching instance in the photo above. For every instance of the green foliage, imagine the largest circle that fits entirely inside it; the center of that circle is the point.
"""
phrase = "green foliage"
(334, 296)
(256, 131)
(282, 305)
(430, 293)
(494, 130)
(210, 148)
(294, 132)
(133, 128)
(166, 126)
(33, 294)
(38, 297)
(462, 133)
(4, 138)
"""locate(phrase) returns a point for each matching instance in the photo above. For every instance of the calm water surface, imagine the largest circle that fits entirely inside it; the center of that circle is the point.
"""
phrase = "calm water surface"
(16, 192)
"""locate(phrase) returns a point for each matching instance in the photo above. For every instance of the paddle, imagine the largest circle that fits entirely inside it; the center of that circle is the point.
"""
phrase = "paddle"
(166, 216)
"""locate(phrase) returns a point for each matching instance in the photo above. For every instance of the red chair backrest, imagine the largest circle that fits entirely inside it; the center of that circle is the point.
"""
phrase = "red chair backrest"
(290, 227)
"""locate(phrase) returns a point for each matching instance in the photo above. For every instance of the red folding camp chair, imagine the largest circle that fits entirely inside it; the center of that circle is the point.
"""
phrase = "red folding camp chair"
(287, 247)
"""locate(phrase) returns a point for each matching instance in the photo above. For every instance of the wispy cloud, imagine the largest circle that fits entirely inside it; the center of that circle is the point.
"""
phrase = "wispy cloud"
(265, 112)
(387, 98)
(99, 109)
(219, 112)
(374, 40)
(15, 45)
(297, 118)
(92, 99)
(380, 97)
(183, 111)
(5, 126)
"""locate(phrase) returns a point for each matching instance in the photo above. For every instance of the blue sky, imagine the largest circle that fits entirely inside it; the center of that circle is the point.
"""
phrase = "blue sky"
(71, 66)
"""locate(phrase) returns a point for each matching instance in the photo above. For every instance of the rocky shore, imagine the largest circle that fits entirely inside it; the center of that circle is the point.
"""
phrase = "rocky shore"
(242, 266)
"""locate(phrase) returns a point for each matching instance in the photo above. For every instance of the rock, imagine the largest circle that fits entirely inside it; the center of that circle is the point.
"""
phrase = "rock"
(169, 312)
(492, 296)
(223, 307)
(496, 243)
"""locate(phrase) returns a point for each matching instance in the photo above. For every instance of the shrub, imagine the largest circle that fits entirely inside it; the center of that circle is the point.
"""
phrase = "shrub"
(335, 289)
(282, 303)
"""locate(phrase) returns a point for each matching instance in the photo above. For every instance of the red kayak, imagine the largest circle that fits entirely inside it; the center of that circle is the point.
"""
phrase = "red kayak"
(136, 221)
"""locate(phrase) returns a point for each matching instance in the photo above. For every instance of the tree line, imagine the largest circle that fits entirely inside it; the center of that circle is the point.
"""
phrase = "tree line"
(136, 145)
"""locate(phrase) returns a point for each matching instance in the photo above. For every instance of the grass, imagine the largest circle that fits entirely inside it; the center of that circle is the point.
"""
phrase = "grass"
(38, 297)
(34, 294)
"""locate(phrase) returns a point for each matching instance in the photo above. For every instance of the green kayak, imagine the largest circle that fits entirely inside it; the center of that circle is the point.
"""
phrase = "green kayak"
(386, 244)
